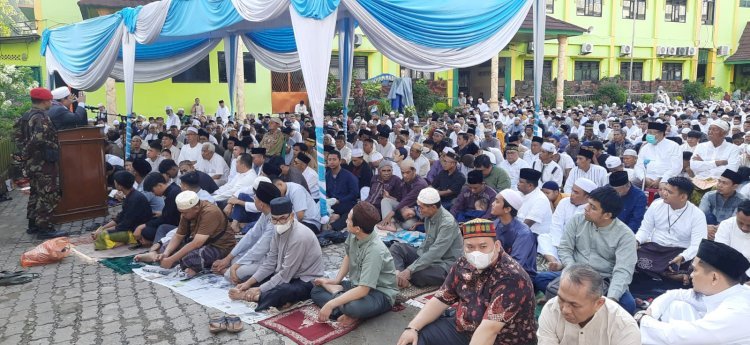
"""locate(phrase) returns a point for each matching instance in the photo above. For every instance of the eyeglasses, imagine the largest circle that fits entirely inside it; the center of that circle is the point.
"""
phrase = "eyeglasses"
(279, 219)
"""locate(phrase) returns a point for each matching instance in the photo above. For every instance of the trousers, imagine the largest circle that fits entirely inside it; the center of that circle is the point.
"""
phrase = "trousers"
(45, 194)
(240, 214)
(294, 291)
(244, 271)
(374, 304)
(404, 255)
(443, 331)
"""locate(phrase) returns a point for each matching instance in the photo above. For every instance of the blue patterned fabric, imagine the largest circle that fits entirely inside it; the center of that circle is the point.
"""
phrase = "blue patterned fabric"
(77, 46)
(317, 9)
(190, 17)
(275, 40)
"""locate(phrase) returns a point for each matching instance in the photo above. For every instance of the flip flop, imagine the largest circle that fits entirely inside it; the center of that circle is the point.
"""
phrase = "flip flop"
(234, 324)
(17, 278)
(217, 323)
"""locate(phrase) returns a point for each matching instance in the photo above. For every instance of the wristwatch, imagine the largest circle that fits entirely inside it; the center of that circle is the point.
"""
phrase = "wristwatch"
(639, 316)
(413, 329)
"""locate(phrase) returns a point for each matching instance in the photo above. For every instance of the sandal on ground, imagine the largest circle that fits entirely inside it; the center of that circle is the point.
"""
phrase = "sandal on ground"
(5, 198)
(17, 278)
(217, 323)
(234, 324)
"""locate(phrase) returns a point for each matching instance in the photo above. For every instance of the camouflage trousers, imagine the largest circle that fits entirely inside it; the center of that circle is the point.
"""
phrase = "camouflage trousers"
(45, 194)
(16, 170)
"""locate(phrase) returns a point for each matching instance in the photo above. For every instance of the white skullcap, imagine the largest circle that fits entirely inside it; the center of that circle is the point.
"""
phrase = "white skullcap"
(448, 149)
(180, 109)
(391, 113)
(513, 198)
(60, 92)
(721, 124)
(429, 196)
(186, 200)
(260, 179)
(376, 156)
(115, 123)
(585, 184)
(629, 152)
(169, 107)
(100, 105)
(196, 123)
(612, 162)
(685, 131)
(192, 129)
(491, 156)
(357, 153)
(548, 147)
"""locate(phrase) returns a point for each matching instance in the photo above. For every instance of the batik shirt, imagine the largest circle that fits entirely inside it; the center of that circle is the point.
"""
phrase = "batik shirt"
(502, 292)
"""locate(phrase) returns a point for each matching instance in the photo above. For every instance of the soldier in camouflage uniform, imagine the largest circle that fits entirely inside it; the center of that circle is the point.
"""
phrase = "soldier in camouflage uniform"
(21, 134)
(273, 142)
(42, 153)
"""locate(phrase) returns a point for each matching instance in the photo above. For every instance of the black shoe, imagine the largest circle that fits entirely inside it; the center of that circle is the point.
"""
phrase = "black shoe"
(45, 235)
(32, 228)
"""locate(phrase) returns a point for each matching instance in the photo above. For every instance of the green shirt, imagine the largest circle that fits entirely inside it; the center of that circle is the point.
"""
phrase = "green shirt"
(443, 244)
(371, 265)
(498, 179)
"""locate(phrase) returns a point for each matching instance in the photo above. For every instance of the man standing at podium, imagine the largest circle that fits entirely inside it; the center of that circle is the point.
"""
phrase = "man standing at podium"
(42, 153)
(59, 113)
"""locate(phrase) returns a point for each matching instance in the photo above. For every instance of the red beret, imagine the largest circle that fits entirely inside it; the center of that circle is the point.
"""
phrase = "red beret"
(41, 94)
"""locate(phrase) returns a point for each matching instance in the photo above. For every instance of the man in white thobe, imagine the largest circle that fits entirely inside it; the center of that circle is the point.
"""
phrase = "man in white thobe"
(536, 211)
(711, 158)
(659, 159)
(213, 164)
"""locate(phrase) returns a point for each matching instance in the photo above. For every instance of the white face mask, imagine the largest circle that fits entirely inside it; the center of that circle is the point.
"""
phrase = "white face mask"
(480, 260)
(282, 228)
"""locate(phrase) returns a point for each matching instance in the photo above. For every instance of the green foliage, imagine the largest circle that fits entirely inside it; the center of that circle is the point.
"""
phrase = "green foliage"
(9, 13)
(372, 90)
(333, 107)
(424, 99)
(742, 84)
(647, 98)
(15, 83)
(440, 107)
(610, 92)
(697, 91)
(332, 86)
(384, 106)
(410, 111)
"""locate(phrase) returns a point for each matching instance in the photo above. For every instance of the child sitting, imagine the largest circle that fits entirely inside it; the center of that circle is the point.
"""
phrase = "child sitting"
(135, 211)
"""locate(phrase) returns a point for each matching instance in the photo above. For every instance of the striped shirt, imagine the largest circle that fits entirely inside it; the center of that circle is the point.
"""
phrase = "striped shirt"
(596, 173)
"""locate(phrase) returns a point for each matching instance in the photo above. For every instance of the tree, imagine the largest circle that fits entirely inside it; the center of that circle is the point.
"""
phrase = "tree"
(9, 14)
(15, 83)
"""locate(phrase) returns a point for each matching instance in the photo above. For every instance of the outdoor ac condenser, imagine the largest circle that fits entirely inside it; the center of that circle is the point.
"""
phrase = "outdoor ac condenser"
(587, 48)
(626, 50)
(682, 51)
(661, 50)
(357, 40)
(672, 51)
(691, 51)
(722, 51)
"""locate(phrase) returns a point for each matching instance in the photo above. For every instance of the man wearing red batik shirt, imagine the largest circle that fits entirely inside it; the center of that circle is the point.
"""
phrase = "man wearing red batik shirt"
(494, 294)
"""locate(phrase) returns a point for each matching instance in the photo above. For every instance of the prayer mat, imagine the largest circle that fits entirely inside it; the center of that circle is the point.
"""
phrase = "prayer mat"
(302, 326)
(123, 265)
(83, 246)
(413, 291)
(421, 300)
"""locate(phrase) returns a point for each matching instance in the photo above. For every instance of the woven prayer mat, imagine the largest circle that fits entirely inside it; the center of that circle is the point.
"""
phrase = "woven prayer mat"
(301, 326)
(413, 291)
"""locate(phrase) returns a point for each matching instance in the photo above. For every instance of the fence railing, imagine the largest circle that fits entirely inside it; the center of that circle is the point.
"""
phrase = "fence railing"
(7, 148)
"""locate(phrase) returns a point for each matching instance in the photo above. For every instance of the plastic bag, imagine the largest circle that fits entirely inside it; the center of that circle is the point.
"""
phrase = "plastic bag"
(48, 252)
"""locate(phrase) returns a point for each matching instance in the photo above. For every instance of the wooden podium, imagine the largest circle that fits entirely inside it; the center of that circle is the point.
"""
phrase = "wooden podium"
(82, 180)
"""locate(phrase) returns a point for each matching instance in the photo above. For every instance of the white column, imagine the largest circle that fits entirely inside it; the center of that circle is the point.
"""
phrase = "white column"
(494, 79)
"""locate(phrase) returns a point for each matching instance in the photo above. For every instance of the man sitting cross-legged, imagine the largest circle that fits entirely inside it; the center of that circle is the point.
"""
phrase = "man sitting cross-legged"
(245, 258)
(494, 295)
(201, 237)
(371, 288)
(135, 211)
(169, 217)
(287, 271)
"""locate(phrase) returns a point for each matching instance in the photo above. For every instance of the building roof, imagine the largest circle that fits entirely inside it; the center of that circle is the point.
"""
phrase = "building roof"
(742, 55)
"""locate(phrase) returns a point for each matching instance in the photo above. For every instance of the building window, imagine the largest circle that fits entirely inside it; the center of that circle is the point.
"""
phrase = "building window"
(589, 8)
(744, 3)
(550, 6)
(675, 11)
(414, 74)
(587, 70)
(287, 82)
(248, 67)
(528, 70)
(637, 70)
(637, 7)
(671, 71)
(200, 73)
(707, 14)
(359, 69)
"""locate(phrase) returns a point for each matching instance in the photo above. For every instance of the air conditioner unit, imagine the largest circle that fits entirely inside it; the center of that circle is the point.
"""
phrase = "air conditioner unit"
(530, 48)
(587, 48)
(691, 51)
(626, 50)
(722, 51)
(358, 40)
(672, 51)
(682, 51)
(661, 51)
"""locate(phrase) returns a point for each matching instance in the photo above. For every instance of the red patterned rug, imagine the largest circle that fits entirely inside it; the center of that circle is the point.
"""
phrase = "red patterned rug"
(302, 327)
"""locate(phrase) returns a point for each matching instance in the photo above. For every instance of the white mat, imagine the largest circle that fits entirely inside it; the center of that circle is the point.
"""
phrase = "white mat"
(209, 290)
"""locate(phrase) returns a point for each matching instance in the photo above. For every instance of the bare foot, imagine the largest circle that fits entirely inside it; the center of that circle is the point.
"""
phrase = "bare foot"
(346, 321)
(235, 226)
(190, 272)
(236, 294)
(147, 257)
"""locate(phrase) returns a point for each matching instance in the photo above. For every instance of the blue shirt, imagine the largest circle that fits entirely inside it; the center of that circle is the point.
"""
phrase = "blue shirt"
(633, 208)
(519, 242)
(344, 187)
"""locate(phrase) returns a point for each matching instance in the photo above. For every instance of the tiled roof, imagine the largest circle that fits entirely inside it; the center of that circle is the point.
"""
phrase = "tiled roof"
(551, 24)
(742, 55)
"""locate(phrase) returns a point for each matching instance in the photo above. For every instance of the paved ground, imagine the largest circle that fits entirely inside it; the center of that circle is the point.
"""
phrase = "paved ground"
(78, 302)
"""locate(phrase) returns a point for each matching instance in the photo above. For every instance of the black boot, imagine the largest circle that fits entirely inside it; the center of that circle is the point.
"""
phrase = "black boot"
(49, 231)
(32, 228)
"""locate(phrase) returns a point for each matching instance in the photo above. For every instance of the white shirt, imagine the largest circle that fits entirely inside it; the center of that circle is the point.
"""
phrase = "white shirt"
(566, 161)
(596, 174)
(234, 185)
(536, 207)
(188, 153)
(300, 108)
(634, 133)
(611, 325)
(311, 177)
(514, 170)
(386, 150)
(686, 147)
(421, 164)
(530, 157)
(223, 114)
(155, 163)
(346, 153)
(687, 230)
(710, 154)
(550, 171)
(173, 120)
(114, 160)
(216, 166)
(565, 210)
(730, 234)
(723, 319)
(665, 160)
(303, 201)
